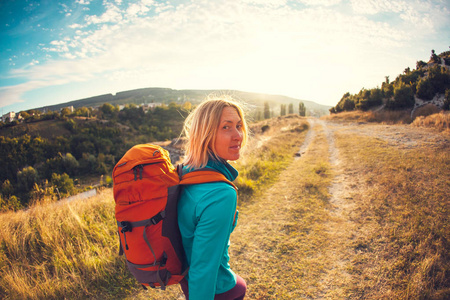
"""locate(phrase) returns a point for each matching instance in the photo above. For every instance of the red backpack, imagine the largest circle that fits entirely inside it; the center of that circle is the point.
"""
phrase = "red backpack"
(146, 190)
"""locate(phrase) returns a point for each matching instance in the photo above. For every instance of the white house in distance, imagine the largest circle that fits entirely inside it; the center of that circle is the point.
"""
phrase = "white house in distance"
(11, 116)
(149, 106)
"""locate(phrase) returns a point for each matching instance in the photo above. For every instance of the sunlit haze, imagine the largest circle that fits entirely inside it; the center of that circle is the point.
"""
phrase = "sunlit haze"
(58, 51)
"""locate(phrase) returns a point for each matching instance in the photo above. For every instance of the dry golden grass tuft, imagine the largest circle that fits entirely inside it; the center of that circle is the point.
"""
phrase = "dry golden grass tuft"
(382, 116)
(426, 110)
(440, 121)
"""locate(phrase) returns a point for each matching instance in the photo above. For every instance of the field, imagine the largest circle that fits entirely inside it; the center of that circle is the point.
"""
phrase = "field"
(329, 209)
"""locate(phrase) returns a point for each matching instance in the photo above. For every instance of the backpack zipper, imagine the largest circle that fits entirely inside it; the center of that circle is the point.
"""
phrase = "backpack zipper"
(140, 169)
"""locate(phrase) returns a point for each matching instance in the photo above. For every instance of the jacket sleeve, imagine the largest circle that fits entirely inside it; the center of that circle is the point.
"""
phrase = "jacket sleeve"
(214, 213)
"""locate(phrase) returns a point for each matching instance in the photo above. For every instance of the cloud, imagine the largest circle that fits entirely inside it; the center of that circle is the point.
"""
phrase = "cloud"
(264, 45)
(420, 16)
(321, 2)
(111, 15)
(83, 2)
(372, 7)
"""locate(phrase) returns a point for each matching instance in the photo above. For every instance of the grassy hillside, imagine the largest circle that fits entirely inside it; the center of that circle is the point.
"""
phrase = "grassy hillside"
(358, 215)
(167, 95)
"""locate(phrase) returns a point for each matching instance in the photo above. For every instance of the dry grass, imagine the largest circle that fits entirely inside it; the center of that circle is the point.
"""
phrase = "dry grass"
(268, 153)
(426, 110)
(439, 121)
(402, 211)
(62, 250)
(382, 116)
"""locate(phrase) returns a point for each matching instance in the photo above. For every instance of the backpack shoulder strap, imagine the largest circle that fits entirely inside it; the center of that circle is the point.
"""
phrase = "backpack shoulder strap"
(204, 176)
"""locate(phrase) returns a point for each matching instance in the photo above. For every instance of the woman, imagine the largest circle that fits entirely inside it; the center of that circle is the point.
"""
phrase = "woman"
(216, 131)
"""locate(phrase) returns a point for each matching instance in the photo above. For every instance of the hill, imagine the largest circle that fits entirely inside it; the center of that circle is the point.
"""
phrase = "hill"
(167, 95)
(429, 83)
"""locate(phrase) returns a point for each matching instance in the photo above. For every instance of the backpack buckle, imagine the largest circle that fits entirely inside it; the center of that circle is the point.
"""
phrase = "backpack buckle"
(126, 226)
(163, 261)
(156, 219)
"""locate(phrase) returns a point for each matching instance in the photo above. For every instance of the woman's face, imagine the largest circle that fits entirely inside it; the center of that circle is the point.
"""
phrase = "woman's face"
(229, 134)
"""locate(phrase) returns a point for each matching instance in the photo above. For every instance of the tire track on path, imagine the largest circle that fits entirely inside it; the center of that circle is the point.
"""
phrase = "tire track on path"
(340, 228)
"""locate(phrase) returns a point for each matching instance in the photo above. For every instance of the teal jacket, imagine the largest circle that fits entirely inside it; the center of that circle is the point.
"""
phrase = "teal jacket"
(206, 217)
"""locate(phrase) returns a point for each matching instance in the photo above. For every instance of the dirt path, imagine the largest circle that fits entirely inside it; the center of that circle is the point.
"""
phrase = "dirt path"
(305, 236)
(339, 228)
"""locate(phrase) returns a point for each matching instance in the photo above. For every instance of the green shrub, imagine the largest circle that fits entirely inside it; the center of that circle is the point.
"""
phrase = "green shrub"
(63, 182)
(425, 89)
(403, 98)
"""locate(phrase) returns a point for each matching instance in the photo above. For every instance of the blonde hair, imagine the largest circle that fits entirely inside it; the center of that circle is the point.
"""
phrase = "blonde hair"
(200, 128)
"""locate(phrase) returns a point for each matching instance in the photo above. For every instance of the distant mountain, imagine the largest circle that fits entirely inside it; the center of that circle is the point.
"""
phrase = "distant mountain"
(167, 95)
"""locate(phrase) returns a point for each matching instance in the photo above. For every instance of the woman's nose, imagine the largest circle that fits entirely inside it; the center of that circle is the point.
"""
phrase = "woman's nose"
(237, 135)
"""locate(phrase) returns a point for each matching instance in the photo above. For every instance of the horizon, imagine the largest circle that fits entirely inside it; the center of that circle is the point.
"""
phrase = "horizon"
(230, 92)
(53, 53)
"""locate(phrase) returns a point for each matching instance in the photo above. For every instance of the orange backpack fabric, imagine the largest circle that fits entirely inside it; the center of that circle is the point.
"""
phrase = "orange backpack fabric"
(146, 190)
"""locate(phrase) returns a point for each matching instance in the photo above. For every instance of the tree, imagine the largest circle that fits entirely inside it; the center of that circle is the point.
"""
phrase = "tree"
(425, 89)
(387, 89)
(283, 110)
(26, 179)
(9, 203)
(7, 188)
(434, 58)
(291, 108)
(82, 112)
(301, 109)
(63, 182)
(440, 79)
(447, 100)
(187, 106)
(403, 97)
(70, 164)
(88, 163)
(266, 110)
(25, 115)
(420, 64)
(108, 109)
(65, 112)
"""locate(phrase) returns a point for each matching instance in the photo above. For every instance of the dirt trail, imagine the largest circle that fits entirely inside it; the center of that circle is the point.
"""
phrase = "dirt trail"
(339, 228)
(315, 234)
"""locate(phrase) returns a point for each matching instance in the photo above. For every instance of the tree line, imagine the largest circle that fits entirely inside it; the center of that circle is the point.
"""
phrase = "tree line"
(267, 111)
(424, 82)
(32, 167)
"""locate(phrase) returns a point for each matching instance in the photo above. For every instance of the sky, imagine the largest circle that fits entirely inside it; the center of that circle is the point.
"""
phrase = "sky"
(57, 51)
